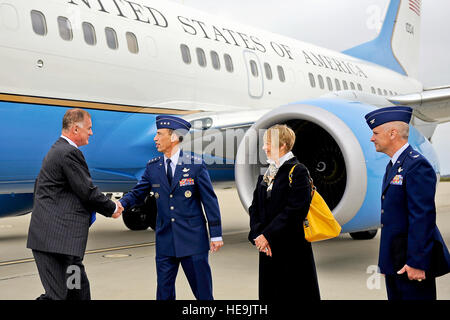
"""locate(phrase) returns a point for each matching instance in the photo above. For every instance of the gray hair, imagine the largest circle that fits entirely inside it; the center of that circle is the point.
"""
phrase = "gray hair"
(401, 127)
(74, 116)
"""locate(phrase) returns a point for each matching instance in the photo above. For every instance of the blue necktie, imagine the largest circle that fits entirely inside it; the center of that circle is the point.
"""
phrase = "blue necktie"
(93, 218)
(169, 171)
(388, 169)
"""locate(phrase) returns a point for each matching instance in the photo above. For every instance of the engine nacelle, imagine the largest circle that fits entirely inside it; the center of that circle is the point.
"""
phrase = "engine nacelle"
(333, 141)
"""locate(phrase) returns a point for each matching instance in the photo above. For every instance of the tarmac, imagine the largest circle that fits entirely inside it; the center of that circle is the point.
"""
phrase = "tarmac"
(121, 263)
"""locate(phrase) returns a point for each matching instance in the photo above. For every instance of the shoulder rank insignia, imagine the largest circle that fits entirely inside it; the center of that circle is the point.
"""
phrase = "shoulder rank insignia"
(154, 160)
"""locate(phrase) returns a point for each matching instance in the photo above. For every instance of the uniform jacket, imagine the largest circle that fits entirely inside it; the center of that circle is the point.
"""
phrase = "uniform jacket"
(64, 198)
(409, 234)
(180, 224)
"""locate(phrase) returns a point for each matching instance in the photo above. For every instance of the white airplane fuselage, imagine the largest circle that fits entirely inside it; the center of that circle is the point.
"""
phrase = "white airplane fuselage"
(48, 66)
(129, 61)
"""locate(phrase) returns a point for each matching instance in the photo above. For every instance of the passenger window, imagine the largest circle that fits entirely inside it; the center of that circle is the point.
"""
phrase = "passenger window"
(185, 54)
(360, 87)
(65, 28)
(338, 84)
(373, 90)
(215, 60)
(111, 38)
(228, 62)
(379, 91)
(254, 68)
(132, 43)
(390, 93)
(344, 83)
(312, 80)
(281, 74)
(268, 71)
(352, 85)
(330, 84)
(38, 22)
(321, 84)
(201, 57)
(385, 92)
(89, 33)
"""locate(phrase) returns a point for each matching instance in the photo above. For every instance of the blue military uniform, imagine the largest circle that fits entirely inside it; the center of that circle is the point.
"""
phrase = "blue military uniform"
(409, 234)
(181, 227)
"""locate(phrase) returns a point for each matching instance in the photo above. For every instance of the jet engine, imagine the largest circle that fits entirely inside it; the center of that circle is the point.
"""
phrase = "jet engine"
(333, 142)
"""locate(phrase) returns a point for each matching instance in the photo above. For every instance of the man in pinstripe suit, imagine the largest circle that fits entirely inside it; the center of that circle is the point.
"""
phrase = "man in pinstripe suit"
(65, 202)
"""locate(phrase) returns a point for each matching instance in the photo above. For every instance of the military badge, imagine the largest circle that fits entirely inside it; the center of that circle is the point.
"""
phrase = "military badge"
(186, 182)
(156, 195)
(186, 170)
(397, 180)
(188, 194)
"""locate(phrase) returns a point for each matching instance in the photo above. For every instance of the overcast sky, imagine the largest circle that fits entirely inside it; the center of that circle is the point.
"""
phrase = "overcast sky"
(341, 24)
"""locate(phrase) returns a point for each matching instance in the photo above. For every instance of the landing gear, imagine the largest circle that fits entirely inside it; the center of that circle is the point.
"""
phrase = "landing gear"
(364, 235)
(141, 216)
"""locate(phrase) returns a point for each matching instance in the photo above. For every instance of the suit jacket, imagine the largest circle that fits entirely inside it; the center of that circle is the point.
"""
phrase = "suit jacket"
(64, 198)
(409, 234)
(180, 223)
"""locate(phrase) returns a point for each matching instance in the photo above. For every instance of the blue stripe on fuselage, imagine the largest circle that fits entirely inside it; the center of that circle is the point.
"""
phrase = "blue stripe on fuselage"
(118, 151)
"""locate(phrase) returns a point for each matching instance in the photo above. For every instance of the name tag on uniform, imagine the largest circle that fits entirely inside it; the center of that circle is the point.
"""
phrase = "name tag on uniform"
(186, 182)
(397, 180)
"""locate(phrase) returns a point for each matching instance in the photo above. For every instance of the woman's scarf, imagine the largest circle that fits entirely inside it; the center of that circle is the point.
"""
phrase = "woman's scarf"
(270, 174)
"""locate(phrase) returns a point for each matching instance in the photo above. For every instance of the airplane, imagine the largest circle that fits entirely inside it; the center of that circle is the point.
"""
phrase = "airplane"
(128, 61)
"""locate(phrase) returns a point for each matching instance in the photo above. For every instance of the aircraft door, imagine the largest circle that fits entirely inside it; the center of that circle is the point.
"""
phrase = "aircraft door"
(254, 75)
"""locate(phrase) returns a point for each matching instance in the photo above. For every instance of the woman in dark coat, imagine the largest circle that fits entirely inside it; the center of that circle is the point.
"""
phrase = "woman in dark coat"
(286, 262)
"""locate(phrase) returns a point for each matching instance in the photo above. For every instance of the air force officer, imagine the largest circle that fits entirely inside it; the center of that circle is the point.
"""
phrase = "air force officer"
(181, 186)
(412, 251)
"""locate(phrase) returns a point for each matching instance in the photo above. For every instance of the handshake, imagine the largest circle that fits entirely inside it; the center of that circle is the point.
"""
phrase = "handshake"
(119, 210)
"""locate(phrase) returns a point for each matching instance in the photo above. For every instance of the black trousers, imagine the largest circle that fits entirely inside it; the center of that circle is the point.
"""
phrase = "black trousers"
(62, 276)
(399, 287)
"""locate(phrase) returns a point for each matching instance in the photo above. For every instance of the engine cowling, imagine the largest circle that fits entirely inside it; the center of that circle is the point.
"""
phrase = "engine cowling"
(333, 141)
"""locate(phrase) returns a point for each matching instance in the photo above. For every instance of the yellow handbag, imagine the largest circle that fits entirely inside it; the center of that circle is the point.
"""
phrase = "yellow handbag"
(320, 223)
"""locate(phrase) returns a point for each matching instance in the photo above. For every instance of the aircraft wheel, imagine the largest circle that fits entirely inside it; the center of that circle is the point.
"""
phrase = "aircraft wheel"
(142, 216)
(364, 235)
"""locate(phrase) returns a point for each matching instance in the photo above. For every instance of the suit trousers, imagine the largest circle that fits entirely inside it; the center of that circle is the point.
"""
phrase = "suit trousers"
(197, 271)
(63, 276)
(399, 287)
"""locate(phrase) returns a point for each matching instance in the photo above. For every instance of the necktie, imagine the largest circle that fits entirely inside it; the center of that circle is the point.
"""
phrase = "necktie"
(169, 171)
(388, 169)
(93, 218)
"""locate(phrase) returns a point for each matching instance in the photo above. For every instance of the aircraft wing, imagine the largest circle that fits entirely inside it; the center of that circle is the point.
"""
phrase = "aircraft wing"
(430, 105)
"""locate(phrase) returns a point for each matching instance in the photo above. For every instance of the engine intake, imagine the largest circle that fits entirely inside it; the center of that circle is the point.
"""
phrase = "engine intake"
(325, 144)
